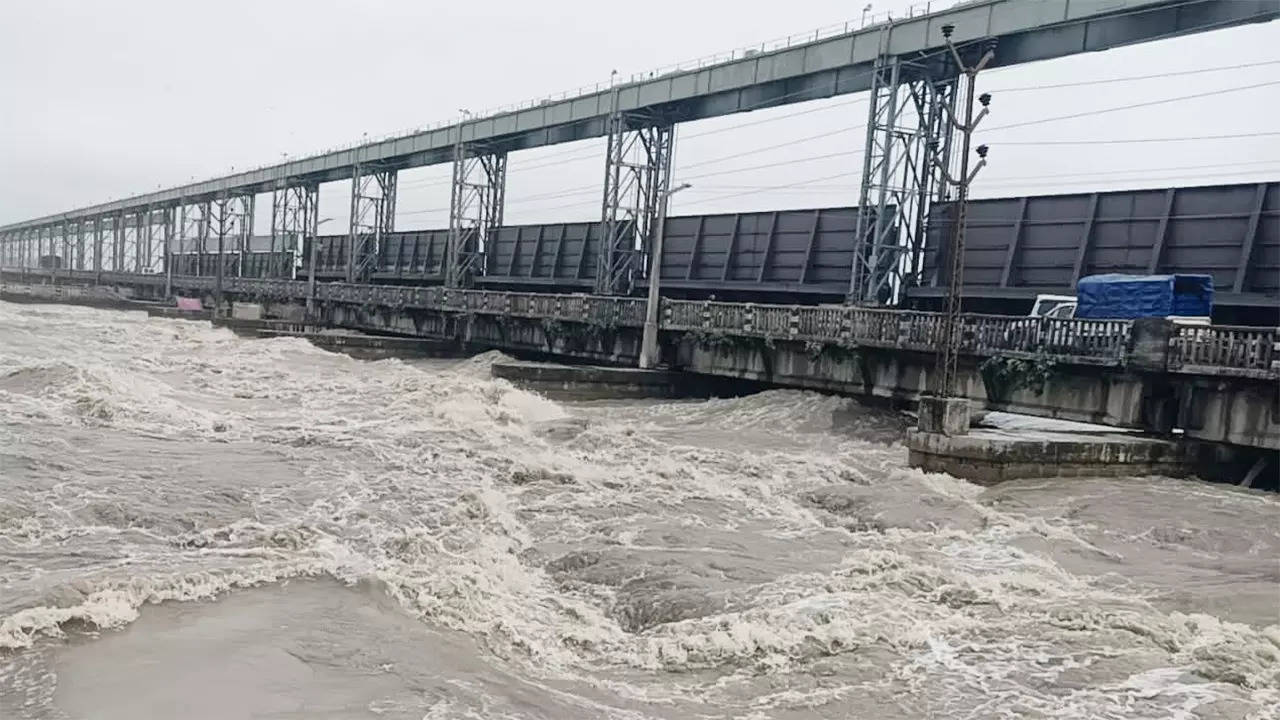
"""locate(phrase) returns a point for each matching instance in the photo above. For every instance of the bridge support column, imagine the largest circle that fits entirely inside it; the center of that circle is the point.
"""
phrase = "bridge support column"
(373, 209)
(117, 242)
(637, 175)
(166, 251)
(97, 246)
(140, 220)
(79, 263)
(293, 217)
(475, 209)
(908, 144)
(64, 245)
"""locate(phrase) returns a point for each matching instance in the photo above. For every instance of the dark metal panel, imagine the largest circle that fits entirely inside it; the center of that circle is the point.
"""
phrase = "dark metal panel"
(537, 252)
(679, 246)
(554, 270)
(1162, 232)
(582, 267)
(1086, 238)
(1250, 237)
(1188, 230)
(768, 247)
(729, 252)
(808, 253)
(693, 248)
(1266, 248)
(515, 252)
(1012, 253)
(832, 261)
(748, 253)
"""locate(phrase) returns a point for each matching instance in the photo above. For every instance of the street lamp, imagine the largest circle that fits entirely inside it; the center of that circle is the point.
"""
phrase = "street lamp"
(649, 341)
(865, 10)
(311, 270)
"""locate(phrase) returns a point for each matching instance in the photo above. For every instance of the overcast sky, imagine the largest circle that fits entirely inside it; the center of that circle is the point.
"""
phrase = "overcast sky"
(104, 99)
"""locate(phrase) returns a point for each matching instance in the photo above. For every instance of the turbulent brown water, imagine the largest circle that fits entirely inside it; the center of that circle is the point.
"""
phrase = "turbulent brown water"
(198, 525)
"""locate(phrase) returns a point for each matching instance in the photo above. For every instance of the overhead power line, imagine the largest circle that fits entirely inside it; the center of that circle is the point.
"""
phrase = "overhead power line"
(1105, 81)
(1131, 106)
(1127, 141)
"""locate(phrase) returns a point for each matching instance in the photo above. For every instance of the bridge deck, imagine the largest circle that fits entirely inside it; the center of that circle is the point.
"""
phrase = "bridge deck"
(1210, 350)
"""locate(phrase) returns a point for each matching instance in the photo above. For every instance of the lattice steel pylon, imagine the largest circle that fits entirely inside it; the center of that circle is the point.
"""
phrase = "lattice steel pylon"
(908, 144)
(637, 173)
(294, 208)
(191, 237)
(475, 209)
(373, 211)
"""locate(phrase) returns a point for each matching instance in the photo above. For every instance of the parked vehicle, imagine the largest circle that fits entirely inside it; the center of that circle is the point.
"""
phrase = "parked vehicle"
(1054, 306)
(1185, 299)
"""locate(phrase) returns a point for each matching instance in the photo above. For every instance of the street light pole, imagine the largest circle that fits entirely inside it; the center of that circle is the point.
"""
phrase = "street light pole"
(949, 351)
(649, 341)
(311, 269)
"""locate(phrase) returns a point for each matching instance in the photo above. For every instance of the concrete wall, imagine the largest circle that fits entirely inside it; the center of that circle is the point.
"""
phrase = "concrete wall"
(1082, 393)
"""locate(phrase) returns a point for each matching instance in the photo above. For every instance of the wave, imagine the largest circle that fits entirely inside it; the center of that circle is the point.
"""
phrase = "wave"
(727, 549)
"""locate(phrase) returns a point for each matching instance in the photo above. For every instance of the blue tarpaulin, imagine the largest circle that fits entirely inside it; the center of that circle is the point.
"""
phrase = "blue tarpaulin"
(1117, 296)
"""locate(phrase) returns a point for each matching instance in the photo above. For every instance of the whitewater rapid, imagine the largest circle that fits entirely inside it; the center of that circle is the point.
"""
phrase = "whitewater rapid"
(436, 543)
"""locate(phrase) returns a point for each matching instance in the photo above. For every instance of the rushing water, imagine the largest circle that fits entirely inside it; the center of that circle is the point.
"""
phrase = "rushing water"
(198, 525)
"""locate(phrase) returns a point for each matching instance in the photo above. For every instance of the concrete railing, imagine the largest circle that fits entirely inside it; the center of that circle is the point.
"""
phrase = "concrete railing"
(1092, 341)
(1227, 349)
(1222, 350)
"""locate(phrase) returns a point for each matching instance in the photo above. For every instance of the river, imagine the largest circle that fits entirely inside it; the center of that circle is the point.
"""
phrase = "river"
(199, 525)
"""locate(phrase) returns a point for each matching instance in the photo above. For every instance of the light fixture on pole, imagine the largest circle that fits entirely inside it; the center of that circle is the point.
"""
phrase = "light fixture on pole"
(311, 269)
(946, 410)
(649, 341)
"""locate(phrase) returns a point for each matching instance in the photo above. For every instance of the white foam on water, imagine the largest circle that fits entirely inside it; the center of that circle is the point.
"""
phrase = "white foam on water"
(751, 555)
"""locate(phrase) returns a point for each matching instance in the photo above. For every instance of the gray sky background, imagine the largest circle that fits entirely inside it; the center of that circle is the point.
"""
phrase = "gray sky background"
(107, 99)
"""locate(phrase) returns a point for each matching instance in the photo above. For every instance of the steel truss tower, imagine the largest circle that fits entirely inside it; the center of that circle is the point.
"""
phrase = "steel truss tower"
(910, 128)
(373, 212)
(155, 227)
(191, 238)
(637, 174)
(294, 218)
(475, 209)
